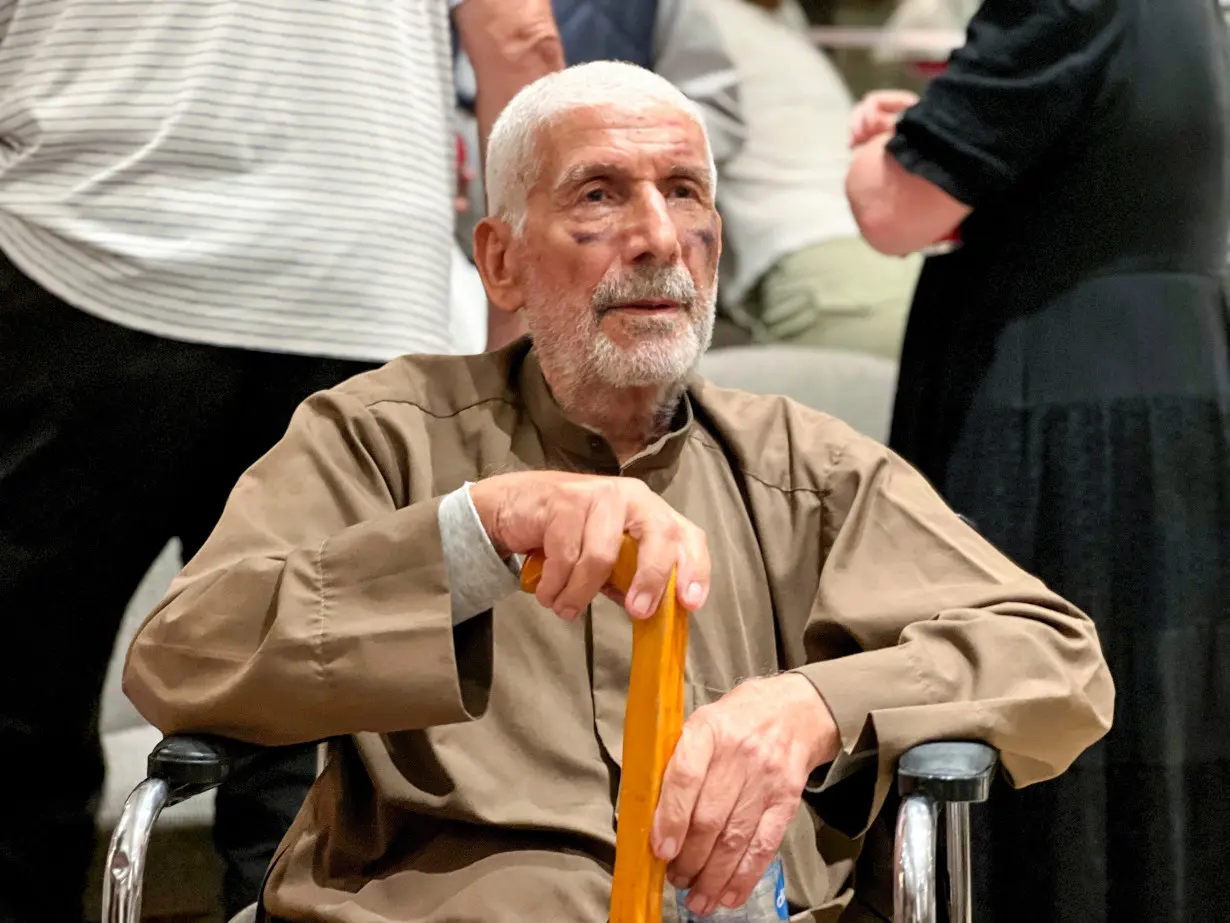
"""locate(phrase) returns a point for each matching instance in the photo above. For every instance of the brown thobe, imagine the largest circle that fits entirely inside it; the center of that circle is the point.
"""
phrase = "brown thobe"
(473, 769)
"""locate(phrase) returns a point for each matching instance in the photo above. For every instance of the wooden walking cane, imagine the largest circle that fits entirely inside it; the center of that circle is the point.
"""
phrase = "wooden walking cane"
(652, 723)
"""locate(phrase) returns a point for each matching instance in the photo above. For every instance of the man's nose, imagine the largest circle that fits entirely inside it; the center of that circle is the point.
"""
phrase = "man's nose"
(654, 238)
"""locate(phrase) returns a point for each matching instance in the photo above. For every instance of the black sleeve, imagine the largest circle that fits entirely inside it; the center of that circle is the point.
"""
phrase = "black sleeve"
(1027, 71)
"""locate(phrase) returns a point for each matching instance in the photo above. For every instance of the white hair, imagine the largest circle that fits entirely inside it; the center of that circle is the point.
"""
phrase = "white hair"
(512, 158)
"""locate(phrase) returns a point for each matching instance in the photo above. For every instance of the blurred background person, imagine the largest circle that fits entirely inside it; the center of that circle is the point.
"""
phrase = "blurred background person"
(1065, 383)
(794, 266)
(207, 212)
(468, 310)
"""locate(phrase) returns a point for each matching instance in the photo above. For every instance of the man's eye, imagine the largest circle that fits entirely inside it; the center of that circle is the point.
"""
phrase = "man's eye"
(683, 192)
(596, 194)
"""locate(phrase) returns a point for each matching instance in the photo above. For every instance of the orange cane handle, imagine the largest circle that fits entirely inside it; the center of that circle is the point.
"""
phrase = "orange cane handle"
(621, 576)
(653, 721)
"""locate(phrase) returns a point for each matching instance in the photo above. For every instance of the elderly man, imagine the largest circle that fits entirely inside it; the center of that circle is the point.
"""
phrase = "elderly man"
(360, 586)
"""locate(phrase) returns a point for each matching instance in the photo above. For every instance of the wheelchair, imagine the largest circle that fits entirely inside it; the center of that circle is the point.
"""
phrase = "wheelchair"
(937, 783)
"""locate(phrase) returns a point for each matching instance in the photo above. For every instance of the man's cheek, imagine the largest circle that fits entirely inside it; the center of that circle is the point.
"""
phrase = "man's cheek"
(705, 238)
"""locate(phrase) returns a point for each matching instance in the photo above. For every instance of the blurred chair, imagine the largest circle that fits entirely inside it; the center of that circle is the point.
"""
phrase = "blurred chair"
(856, 388)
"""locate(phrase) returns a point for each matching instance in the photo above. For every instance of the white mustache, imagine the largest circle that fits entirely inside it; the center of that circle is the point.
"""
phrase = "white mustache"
(657, 283)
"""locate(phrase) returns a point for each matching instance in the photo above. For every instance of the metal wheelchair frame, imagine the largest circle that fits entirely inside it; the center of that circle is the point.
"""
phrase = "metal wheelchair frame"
(935, 780)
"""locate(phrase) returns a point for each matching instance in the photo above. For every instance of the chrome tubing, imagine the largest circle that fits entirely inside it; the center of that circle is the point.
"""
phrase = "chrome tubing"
(914, 861)
(956, 819)
(124, 872)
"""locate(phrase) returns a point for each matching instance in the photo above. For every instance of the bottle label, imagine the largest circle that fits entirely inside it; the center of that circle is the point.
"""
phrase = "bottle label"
(767, 903)
(779, 891)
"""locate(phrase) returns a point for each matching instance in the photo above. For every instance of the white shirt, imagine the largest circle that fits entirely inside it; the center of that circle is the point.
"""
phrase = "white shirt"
(269, 174)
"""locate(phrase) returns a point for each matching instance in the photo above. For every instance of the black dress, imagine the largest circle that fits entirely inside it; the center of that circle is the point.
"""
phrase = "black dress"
(1065, 384)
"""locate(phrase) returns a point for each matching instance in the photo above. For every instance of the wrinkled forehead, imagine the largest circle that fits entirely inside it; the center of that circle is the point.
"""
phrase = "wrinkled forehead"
(651, 142)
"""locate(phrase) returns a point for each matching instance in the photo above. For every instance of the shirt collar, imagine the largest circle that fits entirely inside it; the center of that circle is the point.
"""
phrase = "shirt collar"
(585, 450)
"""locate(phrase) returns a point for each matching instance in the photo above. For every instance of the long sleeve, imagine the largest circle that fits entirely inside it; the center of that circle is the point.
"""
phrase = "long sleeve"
(948, 639)
(478, 577)
(1010, 96)
(320, 605)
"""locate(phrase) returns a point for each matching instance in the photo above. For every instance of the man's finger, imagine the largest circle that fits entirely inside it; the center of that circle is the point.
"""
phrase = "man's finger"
(730, 845)
(681, 785)
(600, 544)
(693, 572)
(724, 780)
(715, 802)
(561, 548)
(656, 554)
(761, 849)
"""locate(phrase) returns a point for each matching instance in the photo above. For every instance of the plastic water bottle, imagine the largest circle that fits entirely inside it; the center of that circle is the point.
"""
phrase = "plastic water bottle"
(767, 903)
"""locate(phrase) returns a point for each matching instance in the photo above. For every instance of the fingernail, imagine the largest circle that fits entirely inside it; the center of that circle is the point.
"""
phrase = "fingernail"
(679, 882)
(693, 594)
(668, 850)
(729, 899)
(640, 604)
(696, 903)
(568, 614)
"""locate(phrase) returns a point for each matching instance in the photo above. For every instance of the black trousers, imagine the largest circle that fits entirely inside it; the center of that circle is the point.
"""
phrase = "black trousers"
(111, 443)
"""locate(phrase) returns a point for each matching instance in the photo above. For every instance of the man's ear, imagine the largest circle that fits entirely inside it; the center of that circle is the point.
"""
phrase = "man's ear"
(498, 265)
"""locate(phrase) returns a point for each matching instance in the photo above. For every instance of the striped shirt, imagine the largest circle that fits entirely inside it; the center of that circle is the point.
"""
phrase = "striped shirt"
(266, 174)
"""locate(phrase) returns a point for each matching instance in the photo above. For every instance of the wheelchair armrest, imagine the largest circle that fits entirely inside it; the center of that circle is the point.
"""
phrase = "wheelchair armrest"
(954, 772)
(179, 767)
(191, 764)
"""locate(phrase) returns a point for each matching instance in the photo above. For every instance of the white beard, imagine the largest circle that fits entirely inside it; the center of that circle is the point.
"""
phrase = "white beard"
(663, 353)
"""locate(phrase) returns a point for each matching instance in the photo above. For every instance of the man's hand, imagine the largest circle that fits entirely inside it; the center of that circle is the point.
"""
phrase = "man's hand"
(877, 113)
(734, 784)
(578, 522)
